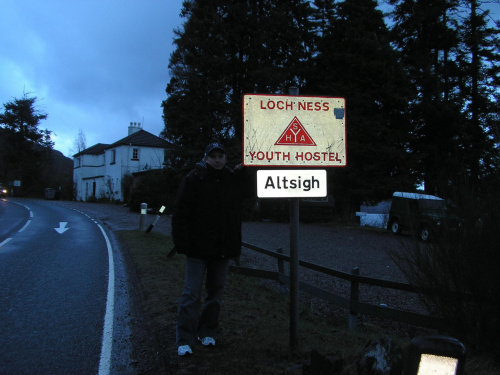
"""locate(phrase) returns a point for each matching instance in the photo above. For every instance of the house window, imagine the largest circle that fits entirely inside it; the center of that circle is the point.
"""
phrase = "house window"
(113, 156)
(135, 154)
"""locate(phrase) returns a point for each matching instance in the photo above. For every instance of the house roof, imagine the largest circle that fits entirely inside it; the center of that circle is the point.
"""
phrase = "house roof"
(93, 150)
(141, 138)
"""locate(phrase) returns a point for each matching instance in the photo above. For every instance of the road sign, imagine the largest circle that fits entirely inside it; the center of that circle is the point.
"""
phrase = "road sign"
(295, 135)
(288, 131)
(291, 183)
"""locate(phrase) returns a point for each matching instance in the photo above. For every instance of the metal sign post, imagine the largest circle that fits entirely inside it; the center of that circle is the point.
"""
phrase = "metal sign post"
(294, 263)
(293, 131)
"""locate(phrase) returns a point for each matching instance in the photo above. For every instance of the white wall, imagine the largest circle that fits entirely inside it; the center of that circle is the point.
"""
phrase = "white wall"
(108, 175)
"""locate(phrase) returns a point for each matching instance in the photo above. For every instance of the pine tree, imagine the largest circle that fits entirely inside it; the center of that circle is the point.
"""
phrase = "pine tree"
(452, 55)
(224, 50)
(24, 146)
(453, 67)
(356, 61)
(427, 39)
(479, 60)
(21, 118)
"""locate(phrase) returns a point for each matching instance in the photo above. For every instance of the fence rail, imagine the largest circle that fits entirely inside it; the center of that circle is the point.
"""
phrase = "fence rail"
(352, 303)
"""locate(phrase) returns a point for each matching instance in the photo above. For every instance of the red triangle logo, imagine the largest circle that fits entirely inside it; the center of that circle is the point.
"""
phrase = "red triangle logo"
(295, 135)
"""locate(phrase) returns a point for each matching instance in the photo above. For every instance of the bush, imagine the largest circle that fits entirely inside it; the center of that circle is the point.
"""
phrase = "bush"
(156, 188)
(464, 265)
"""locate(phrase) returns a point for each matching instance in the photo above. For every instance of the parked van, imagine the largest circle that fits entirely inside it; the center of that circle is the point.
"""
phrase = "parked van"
(424, 214)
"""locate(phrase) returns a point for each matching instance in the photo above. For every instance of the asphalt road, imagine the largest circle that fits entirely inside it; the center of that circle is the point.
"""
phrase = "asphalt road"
(57, 292)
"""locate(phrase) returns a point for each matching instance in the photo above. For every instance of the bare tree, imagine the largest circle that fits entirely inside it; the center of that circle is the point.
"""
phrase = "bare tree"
(80, 142)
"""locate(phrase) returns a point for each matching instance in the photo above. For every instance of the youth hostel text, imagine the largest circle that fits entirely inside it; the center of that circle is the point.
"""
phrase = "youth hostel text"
(299, 156)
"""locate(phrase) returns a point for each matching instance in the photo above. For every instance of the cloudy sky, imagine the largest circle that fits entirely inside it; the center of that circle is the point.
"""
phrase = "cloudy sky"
(94, 65)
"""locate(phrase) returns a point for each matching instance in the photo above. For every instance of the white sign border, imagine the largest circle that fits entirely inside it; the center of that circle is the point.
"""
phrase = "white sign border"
(253, 135)
(299, 176)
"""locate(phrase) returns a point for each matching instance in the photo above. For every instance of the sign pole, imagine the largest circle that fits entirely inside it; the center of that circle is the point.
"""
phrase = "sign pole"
(294, 263)
(287, 131)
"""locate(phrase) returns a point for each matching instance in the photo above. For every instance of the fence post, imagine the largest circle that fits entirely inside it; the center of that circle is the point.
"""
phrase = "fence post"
(142, 219)
(353, 313)
(281, 269)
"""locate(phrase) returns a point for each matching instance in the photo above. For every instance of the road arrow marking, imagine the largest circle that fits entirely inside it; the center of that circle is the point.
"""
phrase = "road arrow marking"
(62, 227)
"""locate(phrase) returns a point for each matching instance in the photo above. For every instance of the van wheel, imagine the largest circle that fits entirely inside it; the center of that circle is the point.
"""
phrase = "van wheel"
(395, 227)
(425, 234)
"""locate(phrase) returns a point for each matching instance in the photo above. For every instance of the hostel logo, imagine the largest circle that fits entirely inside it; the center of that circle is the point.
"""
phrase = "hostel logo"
(295, 135)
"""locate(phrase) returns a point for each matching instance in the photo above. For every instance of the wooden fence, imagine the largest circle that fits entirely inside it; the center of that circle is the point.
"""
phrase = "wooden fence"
(353, 304)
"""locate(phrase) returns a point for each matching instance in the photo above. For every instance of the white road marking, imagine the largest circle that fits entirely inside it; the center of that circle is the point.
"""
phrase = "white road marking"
(107, 334)
(5, 241)
(62, 227)
(25, 226)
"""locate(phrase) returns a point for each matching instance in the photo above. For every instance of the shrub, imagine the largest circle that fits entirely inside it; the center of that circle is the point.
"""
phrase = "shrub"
(464, 265)
(156, 188)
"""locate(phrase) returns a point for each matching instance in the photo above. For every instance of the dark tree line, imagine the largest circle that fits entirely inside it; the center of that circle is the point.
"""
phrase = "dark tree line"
(421, 84)
(25, 150)
(451, 54)
(226, 49)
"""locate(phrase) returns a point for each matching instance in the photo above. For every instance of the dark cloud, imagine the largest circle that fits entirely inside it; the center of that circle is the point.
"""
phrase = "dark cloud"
(94, 65)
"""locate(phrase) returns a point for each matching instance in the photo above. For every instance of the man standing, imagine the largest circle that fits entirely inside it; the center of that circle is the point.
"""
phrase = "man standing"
(206, 227)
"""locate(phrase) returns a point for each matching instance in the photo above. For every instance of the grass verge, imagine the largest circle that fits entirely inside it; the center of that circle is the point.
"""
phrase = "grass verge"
(254, 335)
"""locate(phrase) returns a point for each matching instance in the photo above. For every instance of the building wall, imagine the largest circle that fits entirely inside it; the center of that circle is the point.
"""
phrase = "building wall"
(88, 170)
(103, 173)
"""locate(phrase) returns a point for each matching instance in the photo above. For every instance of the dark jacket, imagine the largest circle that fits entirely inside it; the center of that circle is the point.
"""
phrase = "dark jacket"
(206, 219)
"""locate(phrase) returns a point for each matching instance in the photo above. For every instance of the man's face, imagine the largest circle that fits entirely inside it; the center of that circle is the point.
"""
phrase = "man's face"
(216, 159)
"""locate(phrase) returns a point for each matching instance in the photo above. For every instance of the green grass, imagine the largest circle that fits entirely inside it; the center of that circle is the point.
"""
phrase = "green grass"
(254, 336)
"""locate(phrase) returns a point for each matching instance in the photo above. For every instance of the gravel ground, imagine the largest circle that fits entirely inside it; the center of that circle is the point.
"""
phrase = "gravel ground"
(330, 245)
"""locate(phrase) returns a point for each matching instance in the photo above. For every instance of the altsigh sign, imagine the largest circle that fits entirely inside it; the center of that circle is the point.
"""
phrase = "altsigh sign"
(287, 130)
(291, 183)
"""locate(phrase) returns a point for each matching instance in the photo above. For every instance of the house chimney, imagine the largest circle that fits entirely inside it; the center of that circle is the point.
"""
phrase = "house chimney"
(134, 127)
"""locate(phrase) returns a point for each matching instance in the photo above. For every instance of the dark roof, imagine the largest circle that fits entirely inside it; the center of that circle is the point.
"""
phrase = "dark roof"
(141, 138)
(93, 150)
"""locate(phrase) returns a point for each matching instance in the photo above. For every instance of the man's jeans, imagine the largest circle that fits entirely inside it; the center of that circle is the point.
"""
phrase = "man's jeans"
(190, 324)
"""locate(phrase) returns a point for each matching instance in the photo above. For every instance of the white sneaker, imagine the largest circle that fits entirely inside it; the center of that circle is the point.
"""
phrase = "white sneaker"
(184, 350)
(207, 341)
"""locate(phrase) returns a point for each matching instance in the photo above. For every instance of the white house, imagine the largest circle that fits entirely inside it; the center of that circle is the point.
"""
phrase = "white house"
(98, 170)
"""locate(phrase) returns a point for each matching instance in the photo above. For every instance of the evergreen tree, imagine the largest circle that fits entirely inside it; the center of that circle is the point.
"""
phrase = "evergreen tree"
(356, 61)
(22, 119)
(224, 50)
(453, 67)
(25, 146)
(427, 39)
(322, 16)
(479, 60)
(452, 57)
